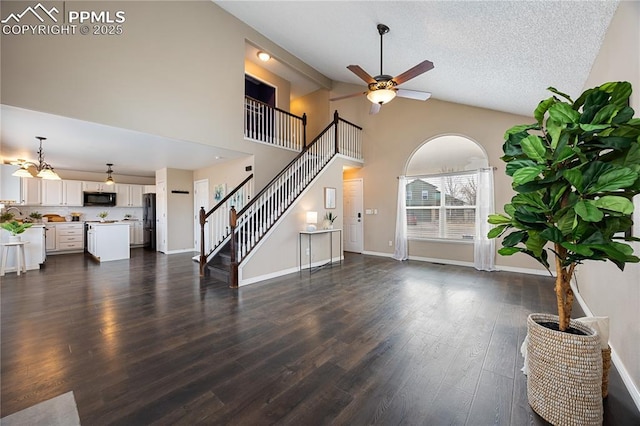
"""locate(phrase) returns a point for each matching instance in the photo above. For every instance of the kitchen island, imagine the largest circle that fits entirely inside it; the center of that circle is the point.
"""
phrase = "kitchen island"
(108, 241)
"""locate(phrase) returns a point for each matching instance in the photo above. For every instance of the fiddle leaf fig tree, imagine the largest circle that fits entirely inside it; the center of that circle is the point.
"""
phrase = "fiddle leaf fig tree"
(575, 172)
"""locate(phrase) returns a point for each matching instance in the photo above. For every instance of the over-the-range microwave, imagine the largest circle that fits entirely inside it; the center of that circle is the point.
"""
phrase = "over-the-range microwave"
(105, 199)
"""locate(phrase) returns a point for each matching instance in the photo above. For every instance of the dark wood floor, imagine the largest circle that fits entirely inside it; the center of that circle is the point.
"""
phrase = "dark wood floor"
(146, 341)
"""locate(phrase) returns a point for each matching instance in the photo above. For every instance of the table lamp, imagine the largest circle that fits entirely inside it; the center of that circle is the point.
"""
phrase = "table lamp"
(312, 220)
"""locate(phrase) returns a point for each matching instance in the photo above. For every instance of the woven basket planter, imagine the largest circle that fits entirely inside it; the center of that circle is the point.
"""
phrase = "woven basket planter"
(564, 385)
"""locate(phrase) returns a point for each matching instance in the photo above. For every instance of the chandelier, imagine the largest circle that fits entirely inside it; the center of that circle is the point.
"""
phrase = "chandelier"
(44, 170)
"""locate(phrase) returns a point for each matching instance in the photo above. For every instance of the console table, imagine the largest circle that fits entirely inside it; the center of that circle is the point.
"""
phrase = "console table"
(309, 235)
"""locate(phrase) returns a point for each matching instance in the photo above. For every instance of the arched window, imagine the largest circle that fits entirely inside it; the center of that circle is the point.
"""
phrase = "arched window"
(442, 188)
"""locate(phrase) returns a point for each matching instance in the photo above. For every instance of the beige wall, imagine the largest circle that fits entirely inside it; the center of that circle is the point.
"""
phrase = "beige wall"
(391, 137)
(606, 290)
(316, 106)
(180, 210)
(176, 71)
(231, 173)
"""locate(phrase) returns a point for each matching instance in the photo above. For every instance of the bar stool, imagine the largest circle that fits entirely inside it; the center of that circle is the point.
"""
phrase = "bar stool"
(21, 262)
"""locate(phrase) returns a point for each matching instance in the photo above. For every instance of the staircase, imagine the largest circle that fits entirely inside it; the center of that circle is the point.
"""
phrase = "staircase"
(249, 224)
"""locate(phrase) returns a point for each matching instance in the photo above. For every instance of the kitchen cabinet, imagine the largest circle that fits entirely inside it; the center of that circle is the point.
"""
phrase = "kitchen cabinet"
(31, 192)
(9, 185)
(61, 193)
(129, 195)
(65, 237)
(50, 238)
(148, 189)
(136, 233)
(97, 187)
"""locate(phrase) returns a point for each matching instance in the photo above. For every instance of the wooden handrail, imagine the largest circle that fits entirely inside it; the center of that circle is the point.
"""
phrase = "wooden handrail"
(226, 198)
(350, 123)
(276, 108)
(284, 170)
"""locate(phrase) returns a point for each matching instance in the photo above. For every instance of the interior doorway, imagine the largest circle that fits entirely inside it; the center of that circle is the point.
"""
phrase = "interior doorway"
(259, 90)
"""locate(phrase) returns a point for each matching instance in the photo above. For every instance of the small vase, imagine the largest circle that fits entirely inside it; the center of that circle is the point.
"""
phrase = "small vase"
(102, 219)
(327, 224)
(14, 238)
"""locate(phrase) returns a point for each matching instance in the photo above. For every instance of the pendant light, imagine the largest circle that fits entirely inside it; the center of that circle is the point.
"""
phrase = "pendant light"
(109, 180)
(44, 169)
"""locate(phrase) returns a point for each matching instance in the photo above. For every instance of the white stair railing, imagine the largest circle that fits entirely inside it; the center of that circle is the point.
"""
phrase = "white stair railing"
(267, 124)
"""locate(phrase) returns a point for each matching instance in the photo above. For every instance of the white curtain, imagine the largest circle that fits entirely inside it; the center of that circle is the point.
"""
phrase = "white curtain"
(484, 248)
(402, 248)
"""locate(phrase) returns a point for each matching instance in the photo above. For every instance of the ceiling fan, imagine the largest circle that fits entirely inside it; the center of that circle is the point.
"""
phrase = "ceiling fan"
(383, 88)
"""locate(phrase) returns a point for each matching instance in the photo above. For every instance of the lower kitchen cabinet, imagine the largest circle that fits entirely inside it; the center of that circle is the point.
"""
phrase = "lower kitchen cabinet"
(67, 238)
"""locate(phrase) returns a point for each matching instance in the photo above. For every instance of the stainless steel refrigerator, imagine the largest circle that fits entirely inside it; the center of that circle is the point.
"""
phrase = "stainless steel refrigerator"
(149, 220)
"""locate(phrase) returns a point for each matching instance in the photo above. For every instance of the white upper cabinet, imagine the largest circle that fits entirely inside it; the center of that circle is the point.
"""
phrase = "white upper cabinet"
(61, 193)
(31, 192)
(128, 195)
(97, 187)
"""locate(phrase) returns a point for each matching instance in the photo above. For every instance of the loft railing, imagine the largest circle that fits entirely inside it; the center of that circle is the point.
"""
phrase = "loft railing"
(264, 123)
(218, 219)
(248, 224)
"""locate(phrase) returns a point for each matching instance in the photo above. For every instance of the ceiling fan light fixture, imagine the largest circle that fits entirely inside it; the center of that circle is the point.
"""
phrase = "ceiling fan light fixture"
(381, 96)
(263, 56)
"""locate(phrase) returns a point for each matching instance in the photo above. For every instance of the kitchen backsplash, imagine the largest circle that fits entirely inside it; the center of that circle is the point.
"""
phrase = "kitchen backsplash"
(88, 213)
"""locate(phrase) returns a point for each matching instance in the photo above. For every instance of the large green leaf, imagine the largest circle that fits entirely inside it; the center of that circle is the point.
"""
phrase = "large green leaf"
(620, 92)
(542, 108)
(606, 114)
(563, 155)
(533, 199)
(519, 129)
(508, 251)
(615, 203)
(498, 219)
(514, 165)
(563, 113)
(614, 180)
(526, 215)
(554, 129)
(514, 238)
(497, 231)
(575, 178)
(624, 115)
(588, 211)
(567, 222)
(617, 143)
(592, 172)
(594, 127)
(552, 234)
(527, 174)
(535, 243)
(534, 148)
(578, 248)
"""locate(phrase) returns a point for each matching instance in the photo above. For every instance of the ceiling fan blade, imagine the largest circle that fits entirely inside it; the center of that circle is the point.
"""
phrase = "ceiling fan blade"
(375, 108)
(413, 94)
(421, 68)
(353, 95)
(361, 73)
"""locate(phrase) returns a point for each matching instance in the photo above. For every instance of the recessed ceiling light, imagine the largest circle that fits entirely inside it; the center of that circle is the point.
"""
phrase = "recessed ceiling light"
(263, 56)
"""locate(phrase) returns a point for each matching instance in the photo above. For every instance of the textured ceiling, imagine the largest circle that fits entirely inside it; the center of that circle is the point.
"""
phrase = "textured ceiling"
(496, 55)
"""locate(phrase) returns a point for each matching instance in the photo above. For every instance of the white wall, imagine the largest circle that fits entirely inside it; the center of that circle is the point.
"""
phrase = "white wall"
(606, 290)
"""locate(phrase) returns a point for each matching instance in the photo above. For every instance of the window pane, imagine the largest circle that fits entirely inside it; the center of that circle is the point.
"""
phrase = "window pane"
(423, 192)
(423, 223)
(460, 223)
(460, 190)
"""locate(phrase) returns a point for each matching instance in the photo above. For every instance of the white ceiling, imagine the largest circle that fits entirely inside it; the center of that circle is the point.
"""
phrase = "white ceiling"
(500, 55)
(71, 145)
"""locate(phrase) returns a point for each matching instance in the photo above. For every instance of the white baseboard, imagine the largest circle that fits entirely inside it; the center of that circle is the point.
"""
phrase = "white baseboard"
(624, 374)
(189, 250)
(461, 263)
(305, 268)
